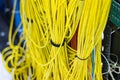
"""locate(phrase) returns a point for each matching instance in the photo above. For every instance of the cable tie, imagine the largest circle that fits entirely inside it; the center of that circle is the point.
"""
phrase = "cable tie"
(81, 58)
(56, 45)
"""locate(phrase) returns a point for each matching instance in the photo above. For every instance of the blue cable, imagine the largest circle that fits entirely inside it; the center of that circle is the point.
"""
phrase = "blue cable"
(17, 15)
(93, 64)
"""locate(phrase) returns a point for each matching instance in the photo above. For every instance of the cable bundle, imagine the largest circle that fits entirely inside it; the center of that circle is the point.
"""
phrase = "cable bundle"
(91, 26)
(43, 51)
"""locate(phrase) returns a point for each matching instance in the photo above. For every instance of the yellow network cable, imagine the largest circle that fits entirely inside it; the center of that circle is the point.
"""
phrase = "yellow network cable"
(48, 27)
(91, 26)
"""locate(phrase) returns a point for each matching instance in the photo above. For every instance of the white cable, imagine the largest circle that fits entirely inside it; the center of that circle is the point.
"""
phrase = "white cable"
(109, 68)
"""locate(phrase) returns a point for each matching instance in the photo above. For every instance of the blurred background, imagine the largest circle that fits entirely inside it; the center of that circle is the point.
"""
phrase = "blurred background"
(5, 14)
